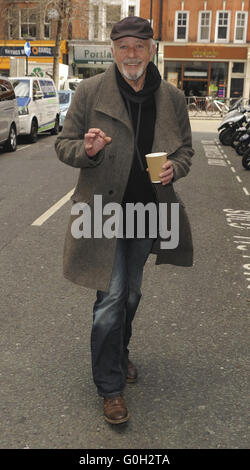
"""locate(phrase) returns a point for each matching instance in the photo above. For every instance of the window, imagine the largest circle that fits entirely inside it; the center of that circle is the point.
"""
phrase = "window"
(222, 26)
(204, 26)
(46, 28)
(28, 22)
(238, 67)
(113, 14)
(131, 10)
(95, 21)
(181, 25)
(240, 29)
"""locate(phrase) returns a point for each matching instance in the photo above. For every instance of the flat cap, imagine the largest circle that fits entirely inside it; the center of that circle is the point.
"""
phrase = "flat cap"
(132, 26)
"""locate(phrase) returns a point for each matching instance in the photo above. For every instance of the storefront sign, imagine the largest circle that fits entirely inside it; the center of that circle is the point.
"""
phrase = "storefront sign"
(92, 54)
(18, 51)
(220, 52)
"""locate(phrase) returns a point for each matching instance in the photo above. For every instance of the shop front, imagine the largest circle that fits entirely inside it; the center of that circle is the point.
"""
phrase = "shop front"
(40, 60)
(217, 71)
(89, 59)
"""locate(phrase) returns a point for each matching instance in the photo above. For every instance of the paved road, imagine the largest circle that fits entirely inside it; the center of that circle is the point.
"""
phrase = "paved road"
(190, 338)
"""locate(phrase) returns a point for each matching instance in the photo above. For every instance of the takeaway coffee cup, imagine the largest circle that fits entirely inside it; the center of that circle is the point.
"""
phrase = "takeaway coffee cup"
(155, 162)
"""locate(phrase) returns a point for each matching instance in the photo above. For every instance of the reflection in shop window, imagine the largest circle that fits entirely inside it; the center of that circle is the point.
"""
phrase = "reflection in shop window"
(172, 73)
(218, 79)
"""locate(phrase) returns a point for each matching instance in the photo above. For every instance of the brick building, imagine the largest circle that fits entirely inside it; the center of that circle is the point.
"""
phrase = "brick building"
(85, 44)
(203, 46)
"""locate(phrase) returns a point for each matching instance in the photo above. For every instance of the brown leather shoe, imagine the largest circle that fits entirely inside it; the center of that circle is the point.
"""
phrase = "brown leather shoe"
(115, 411)
(132, 373)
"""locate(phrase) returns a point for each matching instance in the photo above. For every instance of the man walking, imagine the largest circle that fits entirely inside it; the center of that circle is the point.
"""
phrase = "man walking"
(115, 119)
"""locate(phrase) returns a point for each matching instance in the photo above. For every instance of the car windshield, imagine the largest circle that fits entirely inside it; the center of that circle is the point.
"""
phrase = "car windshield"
(64, 98)
(22, 88)
(73, 85)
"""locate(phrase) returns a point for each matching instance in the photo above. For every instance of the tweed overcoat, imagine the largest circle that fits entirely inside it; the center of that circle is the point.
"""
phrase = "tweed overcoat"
(97, 103)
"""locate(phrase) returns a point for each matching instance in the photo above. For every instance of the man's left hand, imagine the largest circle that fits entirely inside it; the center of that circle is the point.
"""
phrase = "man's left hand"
(168, 173)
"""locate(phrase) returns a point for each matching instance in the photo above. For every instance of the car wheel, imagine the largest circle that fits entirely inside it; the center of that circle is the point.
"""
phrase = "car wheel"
(246, 160)
(33, 132)
(11, 143)
(56, 129)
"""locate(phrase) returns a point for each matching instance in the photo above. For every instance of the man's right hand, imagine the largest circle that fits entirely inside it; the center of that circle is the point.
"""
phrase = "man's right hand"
(94, 141)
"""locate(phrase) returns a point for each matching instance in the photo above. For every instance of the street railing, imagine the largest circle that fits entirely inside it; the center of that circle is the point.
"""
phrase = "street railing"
(212, 107)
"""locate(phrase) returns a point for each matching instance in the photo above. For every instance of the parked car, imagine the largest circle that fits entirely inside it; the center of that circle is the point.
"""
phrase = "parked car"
(9, 120)
(38, 104)
(65, 98)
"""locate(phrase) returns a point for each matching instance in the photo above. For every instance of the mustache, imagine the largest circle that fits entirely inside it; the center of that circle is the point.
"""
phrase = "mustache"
(132, 62)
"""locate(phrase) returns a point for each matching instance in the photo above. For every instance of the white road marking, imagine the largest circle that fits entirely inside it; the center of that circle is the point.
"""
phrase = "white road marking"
(233, 169)
(246, 191)
(21, 148)
(239, 179)
(51, 211)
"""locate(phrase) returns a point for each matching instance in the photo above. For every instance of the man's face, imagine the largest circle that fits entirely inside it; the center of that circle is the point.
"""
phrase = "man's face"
(132, 56)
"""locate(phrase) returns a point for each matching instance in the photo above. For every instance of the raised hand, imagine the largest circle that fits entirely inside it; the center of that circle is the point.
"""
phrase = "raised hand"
(94, 141)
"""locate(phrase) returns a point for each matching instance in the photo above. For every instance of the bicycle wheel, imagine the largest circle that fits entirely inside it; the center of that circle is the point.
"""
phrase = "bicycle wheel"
(192, 109)
(211, 109)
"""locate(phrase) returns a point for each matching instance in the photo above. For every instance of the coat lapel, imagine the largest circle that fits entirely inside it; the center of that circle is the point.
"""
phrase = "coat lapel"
(167, 136)
(109, 100)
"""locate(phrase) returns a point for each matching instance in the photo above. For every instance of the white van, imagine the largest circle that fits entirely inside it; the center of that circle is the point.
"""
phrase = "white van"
(71, 83)
(9, 120)
(38, 104)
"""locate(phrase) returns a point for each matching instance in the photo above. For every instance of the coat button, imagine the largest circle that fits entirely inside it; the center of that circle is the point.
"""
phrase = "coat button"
(111, 192)
(112, 156)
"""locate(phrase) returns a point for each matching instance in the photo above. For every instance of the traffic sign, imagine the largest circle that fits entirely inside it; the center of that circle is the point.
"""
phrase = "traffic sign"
(27, 48)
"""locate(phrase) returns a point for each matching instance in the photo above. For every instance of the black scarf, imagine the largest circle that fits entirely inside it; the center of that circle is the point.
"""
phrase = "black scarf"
(142, 112)
(138, 102)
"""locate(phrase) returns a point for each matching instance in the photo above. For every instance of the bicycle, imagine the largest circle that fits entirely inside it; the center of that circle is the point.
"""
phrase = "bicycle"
(193, 108)
(213, 107)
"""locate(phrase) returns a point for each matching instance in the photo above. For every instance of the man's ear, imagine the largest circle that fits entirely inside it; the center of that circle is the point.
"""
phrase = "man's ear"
(153, 51)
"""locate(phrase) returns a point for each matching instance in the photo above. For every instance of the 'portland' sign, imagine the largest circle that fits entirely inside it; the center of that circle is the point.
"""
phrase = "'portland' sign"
(92, 54)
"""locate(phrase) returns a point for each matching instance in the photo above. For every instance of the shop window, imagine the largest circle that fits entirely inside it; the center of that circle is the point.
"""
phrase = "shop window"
(172, 73)
(238, 67)
(218, 79)
(181, 25)
(204, 26)
(240, 29)
(222, 26)
(28, 22)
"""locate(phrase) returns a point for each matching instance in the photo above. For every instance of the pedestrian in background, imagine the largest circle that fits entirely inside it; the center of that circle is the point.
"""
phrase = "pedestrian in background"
(115, 119)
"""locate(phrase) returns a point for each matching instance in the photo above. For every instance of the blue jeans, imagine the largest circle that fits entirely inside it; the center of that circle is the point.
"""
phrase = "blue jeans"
(113, 314)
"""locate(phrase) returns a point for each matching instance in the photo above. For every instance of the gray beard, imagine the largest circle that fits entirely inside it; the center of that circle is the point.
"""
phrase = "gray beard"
(133, 77)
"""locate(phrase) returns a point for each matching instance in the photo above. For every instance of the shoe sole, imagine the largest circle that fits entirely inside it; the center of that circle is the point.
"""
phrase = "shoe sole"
(117, 421)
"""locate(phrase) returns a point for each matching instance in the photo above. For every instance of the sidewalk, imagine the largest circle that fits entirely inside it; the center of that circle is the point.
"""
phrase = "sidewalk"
(208, 125)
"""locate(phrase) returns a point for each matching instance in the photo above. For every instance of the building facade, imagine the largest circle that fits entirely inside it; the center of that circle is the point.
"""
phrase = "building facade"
(91, 54)
(29, 21)
(203, 46)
